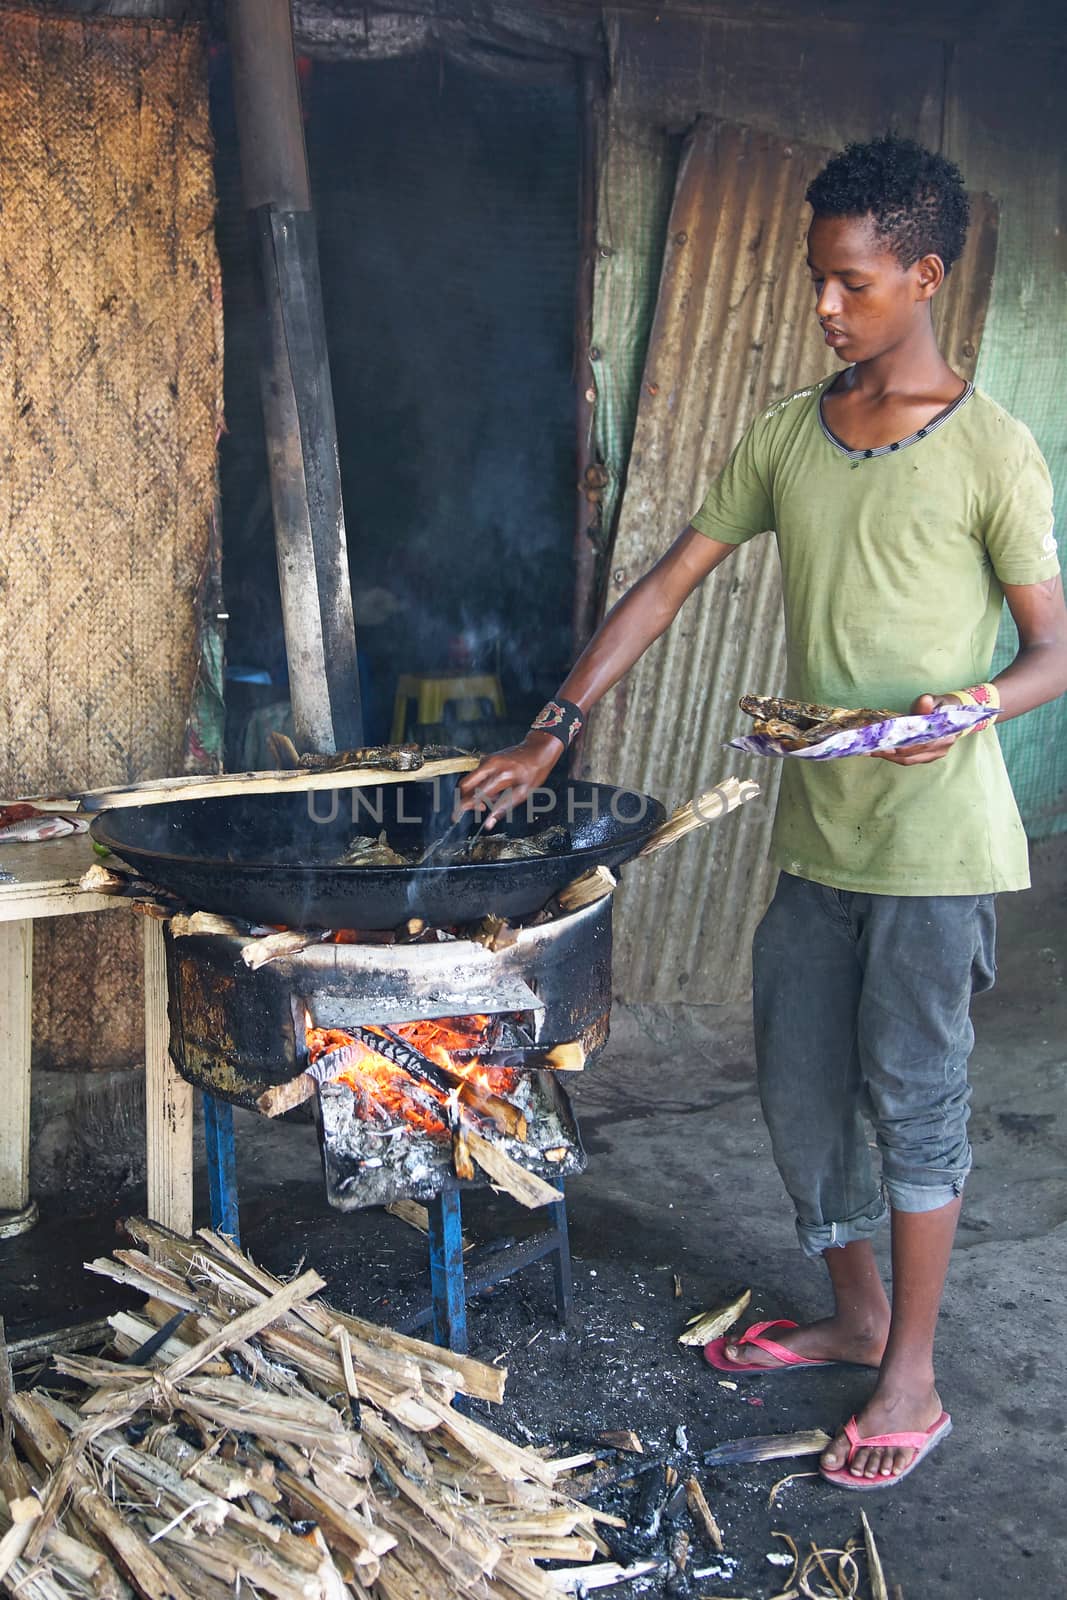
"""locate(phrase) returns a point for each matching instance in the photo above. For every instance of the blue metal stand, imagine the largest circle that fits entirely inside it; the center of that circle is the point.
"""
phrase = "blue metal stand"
(447, 1288)
(221, 1167)
(561, 1261)
(450, 1284)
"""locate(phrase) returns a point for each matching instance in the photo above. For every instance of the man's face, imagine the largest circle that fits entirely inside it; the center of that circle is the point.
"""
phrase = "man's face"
(866, 301)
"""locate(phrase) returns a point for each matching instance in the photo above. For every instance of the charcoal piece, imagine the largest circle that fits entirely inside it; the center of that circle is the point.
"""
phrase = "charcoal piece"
(676, 1506)
(625, 1546)
(649, 1505)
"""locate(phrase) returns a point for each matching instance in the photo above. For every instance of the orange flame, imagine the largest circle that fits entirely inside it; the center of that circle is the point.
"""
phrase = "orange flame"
(381, 1083)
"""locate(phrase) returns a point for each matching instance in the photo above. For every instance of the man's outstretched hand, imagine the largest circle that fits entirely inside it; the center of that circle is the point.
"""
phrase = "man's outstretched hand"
(505, 779)
(918, 754)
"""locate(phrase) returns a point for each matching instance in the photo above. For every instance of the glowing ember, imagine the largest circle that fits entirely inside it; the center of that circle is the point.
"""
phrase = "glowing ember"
(386, 1089)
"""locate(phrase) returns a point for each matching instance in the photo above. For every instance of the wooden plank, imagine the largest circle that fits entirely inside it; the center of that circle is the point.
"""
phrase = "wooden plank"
(212, 786)
(41, 879)
(291, 271)
(525, 1187)
(168, 1100)
(16, 995)
(62, 1341)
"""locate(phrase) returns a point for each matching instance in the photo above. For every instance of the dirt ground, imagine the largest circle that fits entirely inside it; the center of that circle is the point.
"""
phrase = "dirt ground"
(680, 1182)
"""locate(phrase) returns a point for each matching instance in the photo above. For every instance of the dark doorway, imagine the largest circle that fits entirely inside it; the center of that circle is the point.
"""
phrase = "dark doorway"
(446, 204)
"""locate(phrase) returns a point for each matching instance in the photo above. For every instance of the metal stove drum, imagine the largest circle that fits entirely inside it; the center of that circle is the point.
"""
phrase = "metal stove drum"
(242, 1033)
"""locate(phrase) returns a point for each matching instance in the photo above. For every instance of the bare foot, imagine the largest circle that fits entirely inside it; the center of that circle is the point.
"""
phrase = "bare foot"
(889, 1410)
(861, 1341)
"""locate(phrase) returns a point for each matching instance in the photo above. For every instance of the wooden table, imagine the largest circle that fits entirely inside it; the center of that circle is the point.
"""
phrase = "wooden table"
(41, 880)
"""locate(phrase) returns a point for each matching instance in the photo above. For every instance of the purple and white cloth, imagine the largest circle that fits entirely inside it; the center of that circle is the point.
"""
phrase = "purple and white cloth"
(897, 733)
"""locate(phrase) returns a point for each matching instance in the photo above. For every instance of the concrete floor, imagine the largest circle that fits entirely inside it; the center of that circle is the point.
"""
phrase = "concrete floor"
(680, 1182)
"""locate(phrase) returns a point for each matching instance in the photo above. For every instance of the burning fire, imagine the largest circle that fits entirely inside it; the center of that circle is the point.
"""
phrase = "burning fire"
(386, 1090)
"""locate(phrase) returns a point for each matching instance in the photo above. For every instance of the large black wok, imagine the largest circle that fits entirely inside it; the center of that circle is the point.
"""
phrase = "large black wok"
(271, 858)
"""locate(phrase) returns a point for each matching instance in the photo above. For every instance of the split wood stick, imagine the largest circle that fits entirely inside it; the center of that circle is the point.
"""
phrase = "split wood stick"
(472, 1554)
(519, 1524)
(236, 1332)
(875, 1570)
(258, 952)
(699, 1507)
(130, 1333)
(344, 1344)
(282, 1097)
(583, 1458)
(461, 1154)
(403, 1451)
(223, 1478)
(508, 1118)
(14, 1543)
(98, 880)
(27, 1352)
(215, 786)
(352, 1532)
(88, 1565)
(453, 1560)
(14, 1484)
(228, 1562)
(380, 1370)
(525, 1580)
(507, 1459)
(45, 1439)
(346, 1491)
(594, 885)
(197, 922)
(564, 1057)
(224, 1553)
(140, 1272)
(550, 1547)
(412, 1213)
(622, 1439)
(525, 1187)
(714, 802)
(477, 1378)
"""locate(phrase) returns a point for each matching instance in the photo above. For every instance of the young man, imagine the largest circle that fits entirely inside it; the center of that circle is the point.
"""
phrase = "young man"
(908, 507)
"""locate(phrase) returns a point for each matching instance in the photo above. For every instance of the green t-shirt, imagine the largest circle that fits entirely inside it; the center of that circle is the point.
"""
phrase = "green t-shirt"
(892, 565)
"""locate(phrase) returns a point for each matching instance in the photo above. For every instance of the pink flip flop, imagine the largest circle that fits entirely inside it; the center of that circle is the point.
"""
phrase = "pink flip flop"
(921, 1443)
(714, 1352)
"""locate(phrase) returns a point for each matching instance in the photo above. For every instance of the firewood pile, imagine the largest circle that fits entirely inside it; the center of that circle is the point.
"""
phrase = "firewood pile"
(243, 1436)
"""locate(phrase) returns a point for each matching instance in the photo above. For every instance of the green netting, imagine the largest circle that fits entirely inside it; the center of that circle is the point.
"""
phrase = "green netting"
(635, 187)
(1022, 368)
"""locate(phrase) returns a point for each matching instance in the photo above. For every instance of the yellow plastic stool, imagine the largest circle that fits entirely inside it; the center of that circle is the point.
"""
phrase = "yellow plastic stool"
(433, 691)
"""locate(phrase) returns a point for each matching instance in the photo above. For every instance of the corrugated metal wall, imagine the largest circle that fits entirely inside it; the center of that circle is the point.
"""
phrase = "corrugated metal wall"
(734, 329)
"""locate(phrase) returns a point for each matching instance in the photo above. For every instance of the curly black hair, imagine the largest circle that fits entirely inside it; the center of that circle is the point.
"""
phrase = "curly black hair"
(916, 198)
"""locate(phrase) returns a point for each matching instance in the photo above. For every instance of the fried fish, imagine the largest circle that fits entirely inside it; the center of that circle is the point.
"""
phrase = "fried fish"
(796, 723)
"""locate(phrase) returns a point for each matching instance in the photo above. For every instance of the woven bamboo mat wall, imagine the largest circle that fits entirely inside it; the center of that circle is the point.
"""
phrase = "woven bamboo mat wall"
(110, 404)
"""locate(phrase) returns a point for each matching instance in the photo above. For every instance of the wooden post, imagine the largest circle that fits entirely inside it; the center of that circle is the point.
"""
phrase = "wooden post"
(168, 1099)
(16, 994)
(298, 409)
(589, 473)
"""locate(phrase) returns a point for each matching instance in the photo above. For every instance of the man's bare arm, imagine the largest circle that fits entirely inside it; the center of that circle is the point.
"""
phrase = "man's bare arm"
(1039, 671)
(640, 617)
(1037, 674)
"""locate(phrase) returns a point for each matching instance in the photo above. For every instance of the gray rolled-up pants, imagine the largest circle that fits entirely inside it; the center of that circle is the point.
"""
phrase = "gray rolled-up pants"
(862, 1013)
